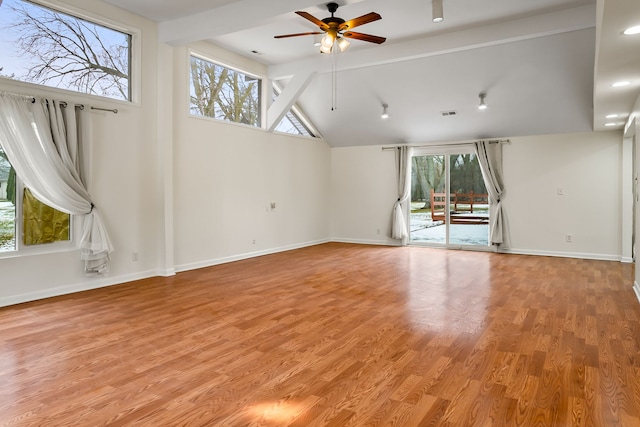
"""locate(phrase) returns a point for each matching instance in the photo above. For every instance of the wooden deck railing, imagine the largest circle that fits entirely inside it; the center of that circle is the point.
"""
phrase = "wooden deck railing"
(461, 205)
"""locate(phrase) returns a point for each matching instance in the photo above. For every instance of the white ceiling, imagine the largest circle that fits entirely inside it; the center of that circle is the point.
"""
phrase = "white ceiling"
(546, 65)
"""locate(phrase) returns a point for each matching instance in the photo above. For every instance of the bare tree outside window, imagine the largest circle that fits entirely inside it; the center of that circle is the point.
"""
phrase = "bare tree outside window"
(47, 47)
(223, 93)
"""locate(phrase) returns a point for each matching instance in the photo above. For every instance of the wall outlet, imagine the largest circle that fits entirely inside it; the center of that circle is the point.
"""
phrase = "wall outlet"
(568, 238)
(273, 205)
(134, 256)
(253, 242)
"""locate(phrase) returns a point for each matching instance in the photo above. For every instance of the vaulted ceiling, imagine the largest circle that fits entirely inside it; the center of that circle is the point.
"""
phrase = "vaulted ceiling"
(546, 66)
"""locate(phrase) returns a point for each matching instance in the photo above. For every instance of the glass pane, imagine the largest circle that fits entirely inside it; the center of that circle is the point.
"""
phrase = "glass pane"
(225, 94)
(42, 223)
(291, 122)
(50, 48)
(469, 202)
(7, 205)
(427, 199)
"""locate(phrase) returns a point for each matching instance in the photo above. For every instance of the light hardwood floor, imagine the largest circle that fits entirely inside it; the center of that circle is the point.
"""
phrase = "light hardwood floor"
(334, 335)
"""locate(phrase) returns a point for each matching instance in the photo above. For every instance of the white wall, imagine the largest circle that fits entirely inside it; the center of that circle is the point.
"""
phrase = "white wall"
(227, 175)
(363, 191)
(585, 166)
(632, 129)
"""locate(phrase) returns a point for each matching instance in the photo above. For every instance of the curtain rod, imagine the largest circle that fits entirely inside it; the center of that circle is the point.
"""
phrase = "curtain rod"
(81, 106)
(492, 141)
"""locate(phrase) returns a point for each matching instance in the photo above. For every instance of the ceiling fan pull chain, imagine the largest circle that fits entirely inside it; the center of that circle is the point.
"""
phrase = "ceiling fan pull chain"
(334, 80)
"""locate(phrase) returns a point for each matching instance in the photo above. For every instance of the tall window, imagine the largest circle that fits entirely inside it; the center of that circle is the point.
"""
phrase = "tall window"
(223, 93)
(24, 220)
(47, 47)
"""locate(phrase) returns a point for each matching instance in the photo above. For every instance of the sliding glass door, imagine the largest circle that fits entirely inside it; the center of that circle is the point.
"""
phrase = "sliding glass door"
(449, 202)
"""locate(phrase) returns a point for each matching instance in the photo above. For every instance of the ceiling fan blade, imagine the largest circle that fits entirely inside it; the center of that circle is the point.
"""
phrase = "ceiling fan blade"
(297, 34)
(361, 20)
(364, 37)
(313, 19)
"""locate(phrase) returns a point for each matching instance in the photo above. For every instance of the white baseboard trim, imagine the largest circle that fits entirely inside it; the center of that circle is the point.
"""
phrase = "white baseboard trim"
(365, 242)
(166, 273)
(627, 260)
(601, 257)
(636, 289)
(239, 257)
(90, 283)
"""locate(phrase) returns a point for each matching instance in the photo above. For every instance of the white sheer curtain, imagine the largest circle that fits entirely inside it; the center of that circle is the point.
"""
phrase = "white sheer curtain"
(403, 170)
(490, 159)
(41, 142)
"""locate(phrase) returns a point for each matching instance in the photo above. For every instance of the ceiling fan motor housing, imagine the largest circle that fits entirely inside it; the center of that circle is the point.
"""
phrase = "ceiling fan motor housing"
(332, 20)
(332, 7)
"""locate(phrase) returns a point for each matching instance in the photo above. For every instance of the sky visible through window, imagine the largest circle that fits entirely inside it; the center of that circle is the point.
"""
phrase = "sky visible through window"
(10, 62)
(15, 61)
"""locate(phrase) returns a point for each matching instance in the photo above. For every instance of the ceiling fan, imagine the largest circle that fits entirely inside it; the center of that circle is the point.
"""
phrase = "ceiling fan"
(336, 30)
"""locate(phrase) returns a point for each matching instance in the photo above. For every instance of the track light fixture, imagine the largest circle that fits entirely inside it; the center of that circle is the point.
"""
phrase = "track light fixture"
(436, 11)
(631, 31)
(385, 114)
(482, 105)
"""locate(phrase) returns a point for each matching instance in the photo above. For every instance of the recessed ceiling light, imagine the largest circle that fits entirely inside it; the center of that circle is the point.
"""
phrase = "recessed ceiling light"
(611, 116)
(610, 124)
(621, 83)
(632, 31)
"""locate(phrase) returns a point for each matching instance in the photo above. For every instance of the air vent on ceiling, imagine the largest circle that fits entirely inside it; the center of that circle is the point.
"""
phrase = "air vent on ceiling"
(448, 113)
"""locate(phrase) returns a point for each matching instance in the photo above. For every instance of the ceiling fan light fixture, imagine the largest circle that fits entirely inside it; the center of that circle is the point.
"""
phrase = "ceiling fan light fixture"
(482, 105)
(343, 44)
(437, 13)
(385, 113)
(327, 41)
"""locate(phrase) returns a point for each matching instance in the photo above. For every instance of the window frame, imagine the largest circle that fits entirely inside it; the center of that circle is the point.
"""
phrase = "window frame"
(35, 89)
(445, 150)
(261, 89)
(21, 249)
(135, 56)
(301, 117)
